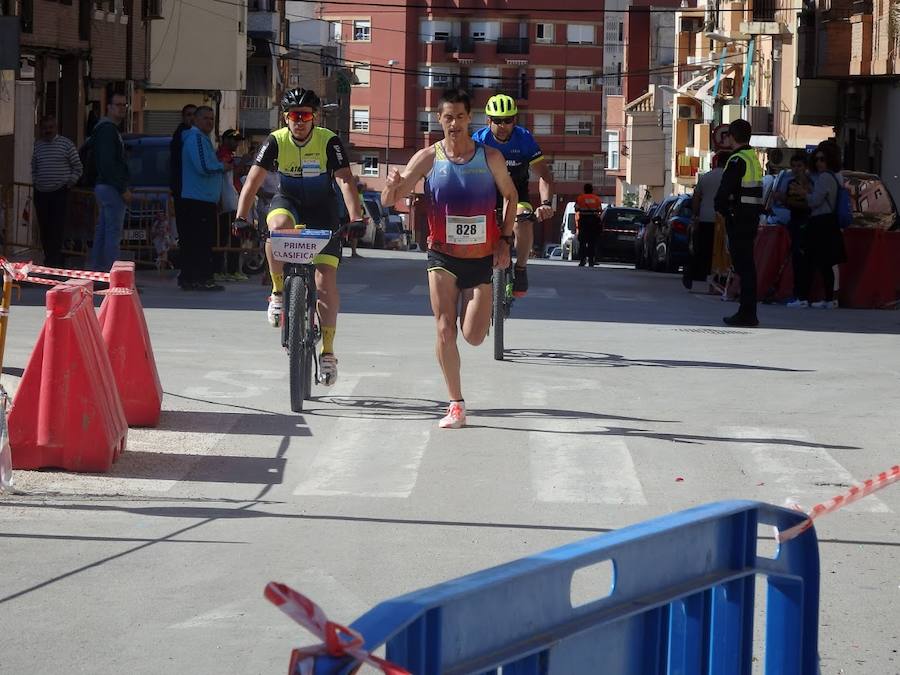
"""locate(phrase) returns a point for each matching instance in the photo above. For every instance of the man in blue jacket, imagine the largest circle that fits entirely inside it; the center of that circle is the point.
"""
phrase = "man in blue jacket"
(201, 187)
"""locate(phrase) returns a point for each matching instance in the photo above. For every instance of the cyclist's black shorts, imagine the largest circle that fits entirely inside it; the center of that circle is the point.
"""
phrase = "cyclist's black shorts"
(316, 219)
(469, 272)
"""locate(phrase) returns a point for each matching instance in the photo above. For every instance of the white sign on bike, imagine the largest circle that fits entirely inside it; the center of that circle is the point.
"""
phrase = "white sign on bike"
(298, 246)
(466, 230)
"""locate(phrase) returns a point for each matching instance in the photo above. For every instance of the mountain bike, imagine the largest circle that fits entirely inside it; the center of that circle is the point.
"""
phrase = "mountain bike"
(502, 282)
(301, 330)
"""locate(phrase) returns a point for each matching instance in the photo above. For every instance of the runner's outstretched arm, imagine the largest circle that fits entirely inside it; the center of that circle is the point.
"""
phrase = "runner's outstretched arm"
(400, 183)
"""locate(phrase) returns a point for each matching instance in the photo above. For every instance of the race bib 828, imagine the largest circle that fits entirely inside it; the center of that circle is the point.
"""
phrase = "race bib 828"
(466, 230)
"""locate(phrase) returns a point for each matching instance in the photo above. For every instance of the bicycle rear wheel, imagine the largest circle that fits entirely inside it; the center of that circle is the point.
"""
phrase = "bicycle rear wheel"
(499, 311)
(295, 304)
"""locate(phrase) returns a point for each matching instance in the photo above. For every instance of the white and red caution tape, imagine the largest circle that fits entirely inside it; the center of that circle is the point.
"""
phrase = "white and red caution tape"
(22, 271)
(854, 494)
(337, 640)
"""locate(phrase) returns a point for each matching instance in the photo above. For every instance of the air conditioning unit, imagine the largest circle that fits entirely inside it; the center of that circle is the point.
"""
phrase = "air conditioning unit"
(688, 112)
(151, 9)
(726, 87)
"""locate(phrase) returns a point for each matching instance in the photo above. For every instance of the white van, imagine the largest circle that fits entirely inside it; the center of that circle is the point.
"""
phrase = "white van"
(568, 240)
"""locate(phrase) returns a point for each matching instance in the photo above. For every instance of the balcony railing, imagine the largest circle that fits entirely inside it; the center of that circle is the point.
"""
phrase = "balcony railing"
(512, 46)
(459, 45)
(255, 103)
(764, 10)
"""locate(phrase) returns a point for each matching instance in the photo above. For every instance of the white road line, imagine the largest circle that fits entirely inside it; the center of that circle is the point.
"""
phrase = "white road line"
(805, 472)
(589, 469)
(371, 458)
(625, 296)
(421, 289)
(540, 293)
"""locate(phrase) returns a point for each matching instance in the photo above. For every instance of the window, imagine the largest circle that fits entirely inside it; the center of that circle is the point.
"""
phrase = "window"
(437, 78)
(484, 31)
(488, 78)
(363, 73)
(370, 165)
(621, 32)
(611, 145)
(580, 34)
(435, 31)
(566, 169)
(336, 31)
(542, 124)
(359, 120)
(582, 80)
(427, 121)
(579, 125)
(362, 30)
(544, 33)
(543, 78)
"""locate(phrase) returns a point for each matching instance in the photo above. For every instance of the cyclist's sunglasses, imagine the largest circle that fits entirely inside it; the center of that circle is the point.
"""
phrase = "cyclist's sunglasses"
(503, 120)
(296, 116)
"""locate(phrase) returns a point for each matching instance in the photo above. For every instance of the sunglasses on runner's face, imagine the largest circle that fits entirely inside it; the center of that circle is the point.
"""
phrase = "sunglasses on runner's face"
(502, 120)
(295, 116)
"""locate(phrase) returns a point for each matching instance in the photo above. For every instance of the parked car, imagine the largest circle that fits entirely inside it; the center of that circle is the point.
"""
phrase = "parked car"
(672, 236)
(396, 238)
(618, 230)
(548, 249)
(645, 241)
(556, 253)
(872, 203)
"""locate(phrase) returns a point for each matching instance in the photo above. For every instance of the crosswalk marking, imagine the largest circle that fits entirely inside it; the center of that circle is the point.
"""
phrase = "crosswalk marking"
(421, 289)
(626, 296)
(589, 469)
(352, 289)
(800, 470)
(371, 458)
(540, 293)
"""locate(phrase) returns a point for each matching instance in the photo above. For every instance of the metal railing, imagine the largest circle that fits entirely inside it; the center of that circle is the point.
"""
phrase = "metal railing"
(18, 222)
(512, 46)
(255, 103)
(459, 45)
(764, 10)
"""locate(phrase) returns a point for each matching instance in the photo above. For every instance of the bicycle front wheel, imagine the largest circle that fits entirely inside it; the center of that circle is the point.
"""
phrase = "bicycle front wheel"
(499, 296)
(295, 301)
(310, 341)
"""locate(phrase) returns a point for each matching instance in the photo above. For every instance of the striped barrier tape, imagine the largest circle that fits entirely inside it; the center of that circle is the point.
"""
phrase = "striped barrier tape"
(337, 640)
(854, 494)
(22, 272)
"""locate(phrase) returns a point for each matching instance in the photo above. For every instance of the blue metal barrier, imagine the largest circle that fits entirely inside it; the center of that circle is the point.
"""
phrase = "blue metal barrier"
(682, 603)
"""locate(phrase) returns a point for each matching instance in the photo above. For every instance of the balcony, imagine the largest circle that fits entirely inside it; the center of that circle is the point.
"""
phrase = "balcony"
(263, 22)
(258, 113)
(764, 20)
(456, 46)
(512, 46)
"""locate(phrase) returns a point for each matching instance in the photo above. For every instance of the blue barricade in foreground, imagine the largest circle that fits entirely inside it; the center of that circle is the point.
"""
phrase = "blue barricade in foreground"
(681, 602)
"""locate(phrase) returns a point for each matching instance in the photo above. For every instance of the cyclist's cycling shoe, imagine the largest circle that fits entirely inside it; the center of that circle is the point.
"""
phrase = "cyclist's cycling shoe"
(456, 416)
(328, 369)
(273, 314)
(520, 282)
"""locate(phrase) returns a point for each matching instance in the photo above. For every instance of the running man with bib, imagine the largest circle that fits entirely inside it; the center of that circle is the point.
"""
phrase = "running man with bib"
(465, 243)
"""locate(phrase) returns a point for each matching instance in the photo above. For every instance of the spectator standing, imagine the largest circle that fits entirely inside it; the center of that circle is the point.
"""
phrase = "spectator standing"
(175, 147)
(823, 242)
(587, 219)
(795, 200)
(201, 189)
(739, 202)
(703, 228)
(55, 167)
(111, 188)
(228, 263)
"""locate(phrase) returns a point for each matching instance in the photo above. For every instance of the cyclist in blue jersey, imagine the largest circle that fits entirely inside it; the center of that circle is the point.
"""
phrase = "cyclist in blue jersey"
(309, 160)
(522, 155)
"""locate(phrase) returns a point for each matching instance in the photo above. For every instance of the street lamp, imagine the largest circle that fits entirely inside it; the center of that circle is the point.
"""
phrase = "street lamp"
(387, 152)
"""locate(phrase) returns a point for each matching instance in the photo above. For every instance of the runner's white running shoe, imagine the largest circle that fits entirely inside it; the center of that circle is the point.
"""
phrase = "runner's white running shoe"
(456, 416)
(328, 369)
(273, 314)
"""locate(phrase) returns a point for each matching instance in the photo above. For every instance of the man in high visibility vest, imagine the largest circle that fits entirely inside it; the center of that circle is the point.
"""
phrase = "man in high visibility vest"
(739, 202)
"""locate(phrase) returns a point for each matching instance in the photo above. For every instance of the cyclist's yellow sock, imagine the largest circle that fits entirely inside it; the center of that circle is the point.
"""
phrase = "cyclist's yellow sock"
(278, 283)
(328, 339)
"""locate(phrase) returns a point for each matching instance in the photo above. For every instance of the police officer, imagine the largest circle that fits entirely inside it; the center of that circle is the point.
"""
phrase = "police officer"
(739, 201)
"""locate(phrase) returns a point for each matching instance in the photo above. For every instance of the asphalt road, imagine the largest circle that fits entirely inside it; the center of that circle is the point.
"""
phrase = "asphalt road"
(623, 398)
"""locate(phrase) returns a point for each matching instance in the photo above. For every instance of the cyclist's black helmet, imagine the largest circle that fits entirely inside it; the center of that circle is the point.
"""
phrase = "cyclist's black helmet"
(295, 98)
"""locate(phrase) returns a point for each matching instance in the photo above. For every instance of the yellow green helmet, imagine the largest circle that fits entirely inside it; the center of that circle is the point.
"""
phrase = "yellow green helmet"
(501, 105)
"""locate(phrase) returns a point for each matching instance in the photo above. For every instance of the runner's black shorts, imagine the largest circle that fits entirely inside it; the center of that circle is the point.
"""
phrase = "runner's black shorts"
(469, 272)
(317, 219)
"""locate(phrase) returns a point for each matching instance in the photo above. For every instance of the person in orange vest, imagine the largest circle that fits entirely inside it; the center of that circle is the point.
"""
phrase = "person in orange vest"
(587, 220)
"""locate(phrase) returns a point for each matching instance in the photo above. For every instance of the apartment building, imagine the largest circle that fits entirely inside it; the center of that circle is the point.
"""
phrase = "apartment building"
(739, 59)
(849, 73)
(72, 56)
(403, 60)
(198, 53)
